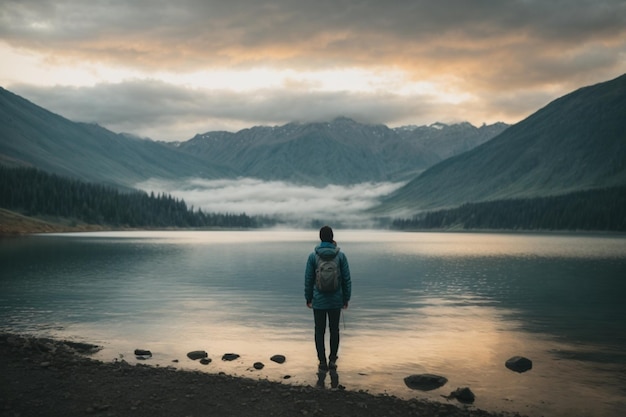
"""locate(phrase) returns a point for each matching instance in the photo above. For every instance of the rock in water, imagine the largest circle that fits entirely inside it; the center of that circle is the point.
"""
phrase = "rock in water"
(425, 382)
(230, 356)
(258, 365)
(143, 354)
(197, 354)
(278, 359)
(519, 364)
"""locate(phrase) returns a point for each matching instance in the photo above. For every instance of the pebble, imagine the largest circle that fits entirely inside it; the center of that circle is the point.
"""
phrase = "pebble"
(230, 356)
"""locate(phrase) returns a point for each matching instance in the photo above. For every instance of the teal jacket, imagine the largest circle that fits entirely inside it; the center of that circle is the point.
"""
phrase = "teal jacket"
(327, 300)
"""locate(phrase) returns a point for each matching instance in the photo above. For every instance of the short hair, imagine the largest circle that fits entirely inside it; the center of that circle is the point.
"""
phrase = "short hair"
(326, 234)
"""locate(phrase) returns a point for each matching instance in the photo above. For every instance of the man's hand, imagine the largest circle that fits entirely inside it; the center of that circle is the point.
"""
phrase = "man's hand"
(309, 304)
(345, 305)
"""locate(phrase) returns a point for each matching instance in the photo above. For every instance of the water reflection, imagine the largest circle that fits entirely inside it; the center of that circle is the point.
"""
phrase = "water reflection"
(334, 379)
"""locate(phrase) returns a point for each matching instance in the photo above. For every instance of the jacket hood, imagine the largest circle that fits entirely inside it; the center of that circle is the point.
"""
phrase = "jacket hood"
(326, 250)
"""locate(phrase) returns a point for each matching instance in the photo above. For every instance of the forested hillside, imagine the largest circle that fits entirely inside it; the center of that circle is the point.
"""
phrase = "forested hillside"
(36, 193)
(593, 210)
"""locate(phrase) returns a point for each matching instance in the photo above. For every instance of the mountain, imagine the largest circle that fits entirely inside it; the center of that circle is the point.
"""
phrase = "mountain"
(33, 136)
(575, 143)
(572, 147)
(338, 152)
(450, 140)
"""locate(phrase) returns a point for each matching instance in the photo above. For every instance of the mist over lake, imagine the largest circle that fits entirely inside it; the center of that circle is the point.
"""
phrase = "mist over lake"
(457, 305)
(295, 204)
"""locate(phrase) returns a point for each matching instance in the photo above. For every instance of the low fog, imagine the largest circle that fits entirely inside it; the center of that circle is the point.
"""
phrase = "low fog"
(295, 204)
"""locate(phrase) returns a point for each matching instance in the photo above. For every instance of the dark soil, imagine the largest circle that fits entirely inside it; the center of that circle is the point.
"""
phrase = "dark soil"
(44, 377)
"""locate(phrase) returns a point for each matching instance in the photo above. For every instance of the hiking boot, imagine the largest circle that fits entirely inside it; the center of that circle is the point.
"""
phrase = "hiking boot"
(323, 366)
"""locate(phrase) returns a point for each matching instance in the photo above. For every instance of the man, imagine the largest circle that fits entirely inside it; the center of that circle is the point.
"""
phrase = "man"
(325, 302)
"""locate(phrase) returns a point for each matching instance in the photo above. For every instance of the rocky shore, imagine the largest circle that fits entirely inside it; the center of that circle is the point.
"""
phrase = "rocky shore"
(44, 377)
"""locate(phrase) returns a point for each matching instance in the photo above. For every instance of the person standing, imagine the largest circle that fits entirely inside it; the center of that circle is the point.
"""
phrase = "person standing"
(327, 301)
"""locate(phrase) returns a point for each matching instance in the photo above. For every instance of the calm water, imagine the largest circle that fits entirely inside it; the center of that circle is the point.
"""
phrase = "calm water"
(457, 305)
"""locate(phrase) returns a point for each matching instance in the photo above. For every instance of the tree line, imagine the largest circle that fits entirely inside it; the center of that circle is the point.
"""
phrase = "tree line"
(592, 210)
(36, 193)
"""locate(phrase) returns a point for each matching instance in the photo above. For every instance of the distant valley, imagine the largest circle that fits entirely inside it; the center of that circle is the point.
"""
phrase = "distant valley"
(575, 144)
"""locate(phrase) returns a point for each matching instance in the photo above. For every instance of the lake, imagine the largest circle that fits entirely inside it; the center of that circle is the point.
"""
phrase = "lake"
(452, 304)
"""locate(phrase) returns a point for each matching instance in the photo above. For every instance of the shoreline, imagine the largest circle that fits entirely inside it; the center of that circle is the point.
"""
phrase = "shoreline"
(13, 224)
(49, 377)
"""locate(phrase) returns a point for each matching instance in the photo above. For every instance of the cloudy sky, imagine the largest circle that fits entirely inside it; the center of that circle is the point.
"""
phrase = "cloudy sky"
(171, 69)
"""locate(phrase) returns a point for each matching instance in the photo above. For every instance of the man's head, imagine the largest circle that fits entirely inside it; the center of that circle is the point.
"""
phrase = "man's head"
(326, 234)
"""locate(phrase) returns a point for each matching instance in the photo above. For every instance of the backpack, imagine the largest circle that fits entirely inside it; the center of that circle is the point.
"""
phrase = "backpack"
(327, 274)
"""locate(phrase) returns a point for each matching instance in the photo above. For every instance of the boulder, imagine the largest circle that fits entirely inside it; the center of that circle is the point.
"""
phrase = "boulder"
(425, 382)
(230, 356)
(197, 354)
(205, 361)
(278, 359)
(258, 365)
(519, 364)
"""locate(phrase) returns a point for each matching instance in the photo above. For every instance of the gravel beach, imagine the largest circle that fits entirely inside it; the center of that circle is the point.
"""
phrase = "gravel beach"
(45, 377)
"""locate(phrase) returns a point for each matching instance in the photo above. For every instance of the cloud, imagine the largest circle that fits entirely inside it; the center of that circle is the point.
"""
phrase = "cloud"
(143, 66)
(195, 34)
(292, 202)
(167, 112)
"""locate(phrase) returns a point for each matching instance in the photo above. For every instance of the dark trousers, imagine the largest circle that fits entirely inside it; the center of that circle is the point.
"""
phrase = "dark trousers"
(320, 329)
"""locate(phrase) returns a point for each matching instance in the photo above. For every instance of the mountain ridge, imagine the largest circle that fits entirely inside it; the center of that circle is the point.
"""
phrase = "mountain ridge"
(574, 143)
(341, 151)
(33, 136)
